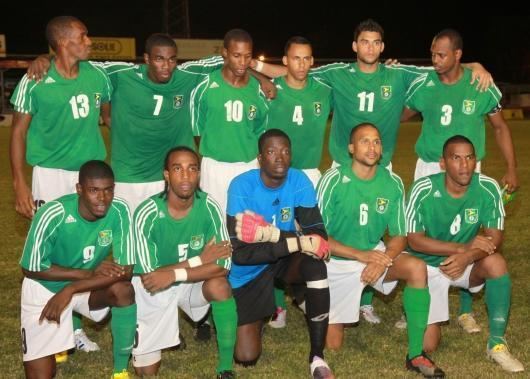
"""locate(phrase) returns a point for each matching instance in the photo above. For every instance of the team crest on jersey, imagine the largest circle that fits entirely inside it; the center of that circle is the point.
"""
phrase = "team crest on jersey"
(197, 242)
(386, 92)
(97, 99)
(178, 101)
(468, 106)
(317, 108)
(381, 205)
(252, 111)
(105, 237)
(285, 214)
(471, 216)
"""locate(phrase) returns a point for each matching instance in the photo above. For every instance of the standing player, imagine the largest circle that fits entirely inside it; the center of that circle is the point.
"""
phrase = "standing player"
(359, 203)
(445, 215)
(181, 266)
(229, 114)
(265, 208)
(65, 270)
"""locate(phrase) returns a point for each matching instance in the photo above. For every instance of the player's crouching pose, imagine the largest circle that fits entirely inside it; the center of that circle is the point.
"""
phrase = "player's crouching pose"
(445, 214)
(65, 270)
(183, 259)
(265, 207)
(359, 202)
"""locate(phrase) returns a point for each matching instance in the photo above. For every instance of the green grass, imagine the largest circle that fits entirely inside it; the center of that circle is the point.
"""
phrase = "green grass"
(369, 351)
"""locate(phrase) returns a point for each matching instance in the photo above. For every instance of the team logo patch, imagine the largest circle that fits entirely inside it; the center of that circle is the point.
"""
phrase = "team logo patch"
(197, 242)
(97, 99)
(285, 214)
(178, 100)
(468, 106)
(317, 108)
(386, 92)
(105, 237)
(252, 110)
(381, 205)
(471, 216)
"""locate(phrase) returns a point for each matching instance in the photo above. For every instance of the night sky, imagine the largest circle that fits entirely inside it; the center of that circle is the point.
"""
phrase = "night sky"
(498, 38)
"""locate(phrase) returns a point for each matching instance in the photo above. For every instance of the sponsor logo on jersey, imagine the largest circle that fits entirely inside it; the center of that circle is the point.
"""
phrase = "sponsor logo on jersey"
(285, 214)
(276, 202)
(471, 216)
(430, 84)
(386, 92)
(70, 219)
(352, 69)
(381, 205)
(105, 237)
(161, 214)
(214, 85)
(468, 106)
(97, 99)
(345, 179)
(140, 75)
(252, 110)
(197, 242)
(178, 101)
(437, 194)
(317, 108)
(49, 80)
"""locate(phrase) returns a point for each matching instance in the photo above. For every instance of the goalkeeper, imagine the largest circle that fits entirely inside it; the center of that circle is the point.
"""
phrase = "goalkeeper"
(277, 232)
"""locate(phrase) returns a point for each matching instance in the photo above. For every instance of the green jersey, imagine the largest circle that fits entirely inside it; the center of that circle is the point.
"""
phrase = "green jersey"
(60, 236)
(64, 129)
(162, 240)
(357, 212)
(442, 217)
(303, 115)
(228, 119)
(150, 118)
(359, 97)
(451, 109)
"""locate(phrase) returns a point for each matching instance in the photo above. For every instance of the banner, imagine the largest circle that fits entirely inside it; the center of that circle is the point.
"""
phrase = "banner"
(113, 48)
(198, 48)
(3, 48)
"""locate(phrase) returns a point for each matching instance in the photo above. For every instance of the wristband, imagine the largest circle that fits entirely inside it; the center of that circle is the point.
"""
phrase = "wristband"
(259, 66)
(195, 261)
(181, 275)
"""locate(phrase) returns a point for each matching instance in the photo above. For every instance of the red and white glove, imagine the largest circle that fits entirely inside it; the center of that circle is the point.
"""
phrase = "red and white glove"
(252, 227)
(315, 246)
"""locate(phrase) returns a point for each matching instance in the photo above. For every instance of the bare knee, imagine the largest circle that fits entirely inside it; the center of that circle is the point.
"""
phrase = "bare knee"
(121, 294)
(42, 368)
(494, 266)
(216, 289)
(248, 344)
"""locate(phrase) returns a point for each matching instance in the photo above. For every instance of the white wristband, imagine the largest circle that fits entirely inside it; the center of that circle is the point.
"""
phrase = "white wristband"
(181, 275)
(195, 261)
(259, 66)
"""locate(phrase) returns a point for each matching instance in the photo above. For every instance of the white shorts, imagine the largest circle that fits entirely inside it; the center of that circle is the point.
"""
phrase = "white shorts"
(313, 174)
(216, 177)
(439, 290)
(424, 169)
(48, 338)
(158, 319)
(135, 193)
(51, 183)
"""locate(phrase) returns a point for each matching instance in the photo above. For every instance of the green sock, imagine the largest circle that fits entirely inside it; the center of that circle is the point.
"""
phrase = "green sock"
(416, 303)
(367, 296)
(498, 295)
(279, 297)
(76, 321)
(466, 302)
(225, 319)
(123, 328)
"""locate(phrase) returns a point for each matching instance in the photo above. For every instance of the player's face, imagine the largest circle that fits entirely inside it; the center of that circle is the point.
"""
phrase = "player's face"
(76, 42)
(366, 147)
(444, 57)
(161, 62)
(274, 159)
(459, 162)
(298, 60)
(95, 197)
(183, 174)
(368, 47)
(237, 57)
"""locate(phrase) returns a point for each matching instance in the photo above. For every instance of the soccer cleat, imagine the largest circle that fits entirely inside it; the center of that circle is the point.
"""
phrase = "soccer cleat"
(468, 323)
(320, 369)
(401, 323)
(83, 343)
(227, 374)
(203, 332)
(501, 355)
(61, 357)
(425, 366)
(279, 318)
(120, 375)
(368, 313)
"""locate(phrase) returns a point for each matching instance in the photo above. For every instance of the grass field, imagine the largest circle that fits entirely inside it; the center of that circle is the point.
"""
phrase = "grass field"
(369, 351)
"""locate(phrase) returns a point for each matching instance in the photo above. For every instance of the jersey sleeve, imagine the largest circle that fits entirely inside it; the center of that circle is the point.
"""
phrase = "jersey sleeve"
(494, 103)
(202, 66)
(145, 219)
(492, 217)
(410, 73)
(325, 188)
(113, 68)
(23, 99)
(396, 224)
(217, 228)
(411, 97)
(413, 215)
(42, 236)
(122, 239)
(328, 73)
(263, 114)
(199, 107)
(106, 82)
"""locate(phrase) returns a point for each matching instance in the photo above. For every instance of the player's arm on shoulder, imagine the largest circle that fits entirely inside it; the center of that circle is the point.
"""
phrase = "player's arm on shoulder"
(503, 137)
(480, 75)
(38, 68)
(268, 87)
(268, 69)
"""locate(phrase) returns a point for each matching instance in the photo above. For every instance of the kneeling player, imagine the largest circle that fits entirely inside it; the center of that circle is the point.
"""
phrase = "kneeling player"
(265, 207)
(181, 266)
(65, 270)
(445, 213)
(358, 204)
